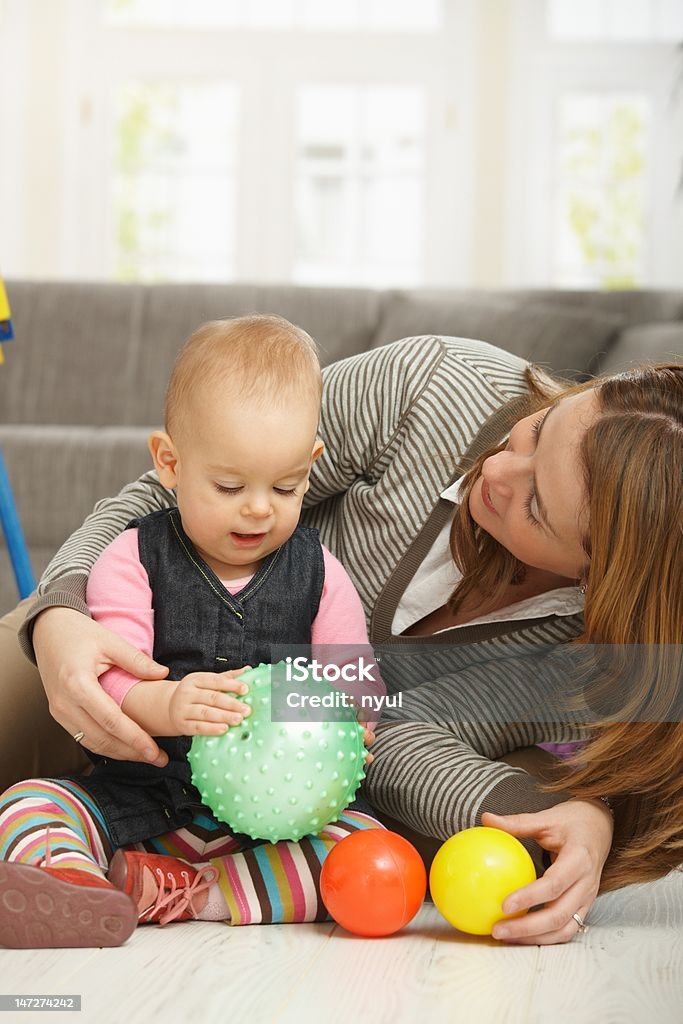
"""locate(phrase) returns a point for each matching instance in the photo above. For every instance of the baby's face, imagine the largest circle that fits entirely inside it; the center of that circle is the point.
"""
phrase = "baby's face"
(242, 472)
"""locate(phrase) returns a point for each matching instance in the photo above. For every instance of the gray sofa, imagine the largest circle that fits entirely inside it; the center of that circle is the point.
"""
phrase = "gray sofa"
(83, 383)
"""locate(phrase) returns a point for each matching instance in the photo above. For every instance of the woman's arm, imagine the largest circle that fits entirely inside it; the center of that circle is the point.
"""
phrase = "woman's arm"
(64, 581)
(438, 783)
(458, 711)
(107, 520)
(369, 399)
(71, 650)
(437, 768)
(424, 777)
(366, 400)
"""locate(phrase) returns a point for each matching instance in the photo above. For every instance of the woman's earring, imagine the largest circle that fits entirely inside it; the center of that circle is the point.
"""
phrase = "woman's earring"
(583, 588)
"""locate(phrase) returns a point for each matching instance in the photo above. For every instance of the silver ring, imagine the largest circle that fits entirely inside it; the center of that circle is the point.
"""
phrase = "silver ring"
(583, 927)
(79, 736)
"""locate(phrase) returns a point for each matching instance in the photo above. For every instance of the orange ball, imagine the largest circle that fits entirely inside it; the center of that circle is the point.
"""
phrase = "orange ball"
(373, 882)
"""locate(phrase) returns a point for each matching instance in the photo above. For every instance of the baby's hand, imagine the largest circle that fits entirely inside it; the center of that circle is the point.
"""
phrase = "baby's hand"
(368, 735)
(201, 704)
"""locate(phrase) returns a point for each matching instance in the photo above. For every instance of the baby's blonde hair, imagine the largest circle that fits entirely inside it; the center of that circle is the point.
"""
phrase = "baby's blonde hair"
(260, 357)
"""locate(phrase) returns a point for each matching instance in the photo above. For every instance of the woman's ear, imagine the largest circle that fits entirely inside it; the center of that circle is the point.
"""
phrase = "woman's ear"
(165, 457)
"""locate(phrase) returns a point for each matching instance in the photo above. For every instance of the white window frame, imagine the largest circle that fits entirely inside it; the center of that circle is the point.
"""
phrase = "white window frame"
(440, 63)
(542, 69)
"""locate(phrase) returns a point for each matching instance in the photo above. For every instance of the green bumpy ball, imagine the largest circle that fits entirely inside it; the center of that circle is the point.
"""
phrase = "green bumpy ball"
(279, 780)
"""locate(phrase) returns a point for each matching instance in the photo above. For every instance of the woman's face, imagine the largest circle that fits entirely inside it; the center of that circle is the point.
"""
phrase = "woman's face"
(531, 496)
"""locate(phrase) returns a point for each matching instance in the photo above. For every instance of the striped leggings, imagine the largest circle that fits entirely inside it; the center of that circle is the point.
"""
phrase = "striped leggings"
(268, 884)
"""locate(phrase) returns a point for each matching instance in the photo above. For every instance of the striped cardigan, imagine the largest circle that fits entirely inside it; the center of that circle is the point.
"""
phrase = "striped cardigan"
(400, 423)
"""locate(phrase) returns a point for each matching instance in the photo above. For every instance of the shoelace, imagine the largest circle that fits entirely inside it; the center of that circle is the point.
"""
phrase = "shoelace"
(38, 862)
(179, 898)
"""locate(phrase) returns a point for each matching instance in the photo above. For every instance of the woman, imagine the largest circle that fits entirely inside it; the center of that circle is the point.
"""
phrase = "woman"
(560, 495)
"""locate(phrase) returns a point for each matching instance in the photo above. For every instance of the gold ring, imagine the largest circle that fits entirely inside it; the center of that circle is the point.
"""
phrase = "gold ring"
(79, 736)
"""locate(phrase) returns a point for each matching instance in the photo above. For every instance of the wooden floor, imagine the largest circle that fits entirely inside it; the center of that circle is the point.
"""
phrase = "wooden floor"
(627, 968)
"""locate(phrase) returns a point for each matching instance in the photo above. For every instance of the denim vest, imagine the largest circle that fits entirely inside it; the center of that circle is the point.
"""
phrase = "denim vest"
(200, 627)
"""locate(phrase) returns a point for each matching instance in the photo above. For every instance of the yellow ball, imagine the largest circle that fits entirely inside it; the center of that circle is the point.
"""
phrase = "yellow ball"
(472, 874)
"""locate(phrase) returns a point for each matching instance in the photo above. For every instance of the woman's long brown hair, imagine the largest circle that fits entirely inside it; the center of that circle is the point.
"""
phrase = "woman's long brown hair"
(632, 459)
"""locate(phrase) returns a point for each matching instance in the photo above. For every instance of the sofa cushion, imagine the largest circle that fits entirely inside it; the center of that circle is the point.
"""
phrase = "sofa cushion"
(636, 305)
(71, 360)
(88, 353)
(659, 342)
(59, 473)
(564, 340)
(342, 320)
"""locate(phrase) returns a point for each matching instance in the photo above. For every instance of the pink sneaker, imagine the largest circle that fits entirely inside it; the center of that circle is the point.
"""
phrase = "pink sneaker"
(164, 889)
(56, 908)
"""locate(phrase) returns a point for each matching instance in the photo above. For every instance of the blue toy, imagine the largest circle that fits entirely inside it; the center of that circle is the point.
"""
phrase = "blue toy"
(9, 518)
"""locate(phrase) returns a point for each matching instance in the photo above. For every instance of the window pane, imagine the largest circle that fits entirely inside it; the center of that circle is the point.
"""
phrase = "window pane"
(174, 181)
(268, 14)
(629, 19)
(402, 15)
(318, 15)
(578, 19)
(328, 14)
(359, 184)
(669, 20)
(373, 15)
(615, 20)
(174, 13)
(601, 195)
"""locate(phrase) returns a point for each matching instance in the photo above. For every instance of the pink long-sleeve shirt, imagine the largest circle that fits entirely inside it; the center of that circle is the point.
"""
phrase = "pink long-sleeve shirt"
(119, 597)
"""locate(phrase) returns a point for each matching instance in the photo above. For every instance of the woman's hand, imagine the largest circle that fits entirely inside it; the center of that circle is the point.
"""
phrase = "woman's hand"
(578, 836)
(72, 651)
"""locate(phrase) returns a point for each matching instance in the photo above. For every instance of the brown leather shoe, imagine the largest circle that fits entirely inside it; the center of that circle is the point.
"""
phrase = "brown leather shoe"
(55, 908)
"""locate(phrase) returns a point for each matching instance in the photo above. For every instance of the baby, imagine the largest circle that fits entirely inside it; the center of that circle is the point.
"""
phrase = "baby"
(205, 588)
